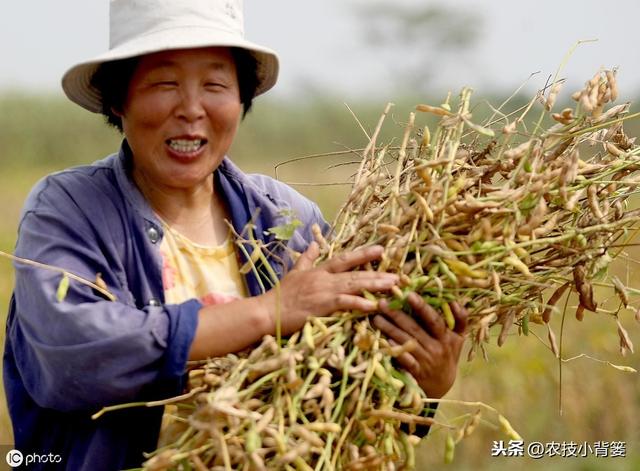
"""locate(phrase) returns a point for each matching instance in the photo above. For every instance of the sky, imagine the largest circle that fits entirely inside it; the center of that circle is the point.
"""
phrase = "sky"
(322, 45)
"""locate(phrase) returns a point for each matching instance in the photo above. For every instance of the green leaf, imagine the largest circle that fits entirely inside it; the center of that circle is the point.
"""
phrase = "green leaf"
(285, 231)
(525, 324)
(63, 288)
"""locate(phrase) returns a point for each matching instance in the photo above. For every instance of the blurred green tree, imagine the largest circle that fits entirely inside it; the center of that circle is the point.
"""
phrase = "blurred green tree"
(418, 40)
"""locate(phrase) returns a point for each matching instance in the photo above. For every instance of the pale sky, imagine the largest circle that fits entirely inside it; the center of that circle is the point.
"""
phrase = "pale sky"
(321, 44)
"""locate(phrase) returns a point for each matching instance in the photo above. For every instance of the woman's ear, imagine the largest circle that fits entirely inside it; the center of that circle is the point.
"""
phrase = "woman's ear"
(116, 112)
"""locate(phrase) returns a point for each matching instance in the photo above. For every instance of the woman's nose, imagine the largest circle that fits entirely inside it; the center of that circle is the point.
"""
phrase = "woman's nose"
(191, 106)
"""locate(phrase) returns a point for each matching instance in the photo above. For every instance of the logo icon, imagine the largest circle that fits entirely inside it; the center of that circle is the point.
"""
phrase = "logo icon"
(14, 458)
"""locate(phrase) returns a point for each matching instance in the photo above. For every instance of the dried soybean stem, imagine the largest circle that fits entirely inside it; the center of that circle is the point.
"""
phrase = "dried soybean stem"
(564, 312)
(163, 402)
(69, 274)
(372, 143)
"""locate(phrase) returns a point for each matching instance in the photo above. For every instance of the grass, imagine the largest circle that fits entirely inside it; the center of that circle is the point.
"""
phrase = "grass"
(42, 134)
(520, 379)
(14, 186)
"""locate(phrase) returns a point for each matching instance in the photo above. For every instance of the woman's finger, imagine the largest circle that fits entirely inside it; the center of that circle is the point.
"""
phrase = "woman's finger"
(308, 257)
(460, 315)
(408, 361)
(410, 325)
(347, 261)
(356, 282)
(401, 328)
(392, 331)
(433, 322)
(348, 302)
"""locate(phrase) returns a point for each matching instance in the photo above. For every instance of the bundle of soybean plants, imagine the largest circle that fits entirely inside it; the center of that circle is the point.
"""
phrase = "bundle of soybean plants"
(506, 217)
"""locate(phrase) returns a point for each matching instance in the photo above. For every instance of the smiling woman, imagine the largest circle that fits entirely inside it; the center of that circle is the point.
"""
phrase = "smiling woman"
(180, 116)
(152, 224)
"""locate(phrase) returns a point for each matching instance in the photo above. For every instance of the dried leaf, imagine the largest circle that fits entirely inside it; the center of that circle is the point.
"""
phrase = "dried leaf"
(621, 291)
(628, 369)
(583, 287)
(553, 342)
(625, 340)
(506, 326)
(555, 297)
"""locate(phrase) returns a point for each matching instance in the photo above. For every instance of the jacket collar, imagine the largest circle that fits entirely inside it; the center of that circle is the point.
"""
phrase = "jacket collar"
(246, 203)
(122, 166)
(251, 206)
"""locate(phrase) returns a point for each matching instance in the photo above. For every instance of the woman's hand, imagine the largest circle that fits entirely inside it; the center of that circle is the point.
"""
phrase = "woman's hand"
(304, 292)
(434, 361)
(327, 288)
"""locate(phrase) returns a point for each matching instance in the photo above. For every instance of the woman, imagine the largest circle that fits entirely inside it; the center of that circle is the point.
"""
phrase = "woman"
(149, 222)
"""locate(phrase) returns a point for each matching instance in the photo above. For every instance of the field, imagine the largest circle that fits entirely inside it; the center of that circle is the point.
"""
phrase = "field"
(40, 134)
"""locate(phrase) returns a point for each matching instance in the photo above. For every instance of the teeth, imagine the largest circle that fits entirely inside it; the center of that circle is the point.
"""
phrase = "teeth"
(185, 145)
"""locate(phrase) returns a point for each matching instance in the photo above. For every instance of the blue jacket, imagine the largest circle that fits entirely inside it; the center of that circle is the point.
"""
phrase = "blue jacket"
(65, 360)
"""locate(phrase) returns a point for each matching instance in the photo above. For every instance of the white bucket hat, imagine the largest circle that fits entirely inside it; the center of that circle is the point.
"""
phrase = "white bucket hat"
(139, 27)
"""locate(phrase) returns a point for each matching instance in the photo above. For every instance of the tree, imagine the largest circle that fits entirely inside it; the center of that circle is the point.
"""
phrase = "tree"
(417, 41)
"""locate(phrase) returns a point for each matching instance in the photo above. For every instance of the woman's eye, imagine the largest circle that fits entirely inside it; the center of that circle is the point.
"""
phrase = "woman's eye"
(165, 83)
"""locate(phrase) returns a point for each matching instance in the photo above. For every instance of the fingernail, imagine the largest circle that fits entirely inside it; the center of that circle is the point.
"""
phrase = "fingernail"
(370, 305)
(376, 249)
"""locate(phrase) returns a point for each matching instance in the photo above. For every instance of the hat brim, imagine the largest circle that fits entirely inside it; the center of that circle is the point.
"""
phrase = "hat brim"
(76, 82)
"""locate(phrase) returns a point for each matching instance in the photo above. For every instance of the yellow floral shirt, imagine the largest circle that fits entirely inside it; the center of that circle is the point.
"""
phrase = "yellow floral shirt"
(190, 270)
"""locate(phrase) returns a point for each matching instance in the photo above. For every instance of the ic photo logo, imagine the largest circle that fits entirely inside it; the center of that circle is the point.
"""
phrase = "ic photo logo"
(14, 458)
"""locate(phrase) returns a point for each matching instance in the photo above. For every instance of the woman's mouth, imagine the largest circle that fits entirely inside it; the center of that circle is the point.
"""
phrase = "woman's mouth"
(185, 146)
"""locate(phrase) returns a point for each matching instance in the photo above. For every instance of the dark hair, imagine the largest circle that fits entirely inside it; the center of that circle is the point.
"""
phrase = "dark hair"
(111, 79)
(247, 73)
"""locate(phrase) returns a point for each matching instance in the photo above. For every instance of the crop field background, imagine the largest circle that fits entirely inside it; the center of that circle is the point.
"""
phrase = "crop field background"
(592, 403)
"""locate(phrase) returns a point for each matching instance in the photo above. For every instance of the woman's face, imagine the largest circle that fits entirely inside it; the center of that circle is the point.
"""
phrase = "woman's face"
(180, 116)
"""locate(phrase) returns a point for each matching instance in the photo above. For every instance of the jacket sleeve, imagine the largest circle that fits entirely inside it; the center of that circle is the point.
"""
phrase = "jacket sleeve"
(84, 352)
